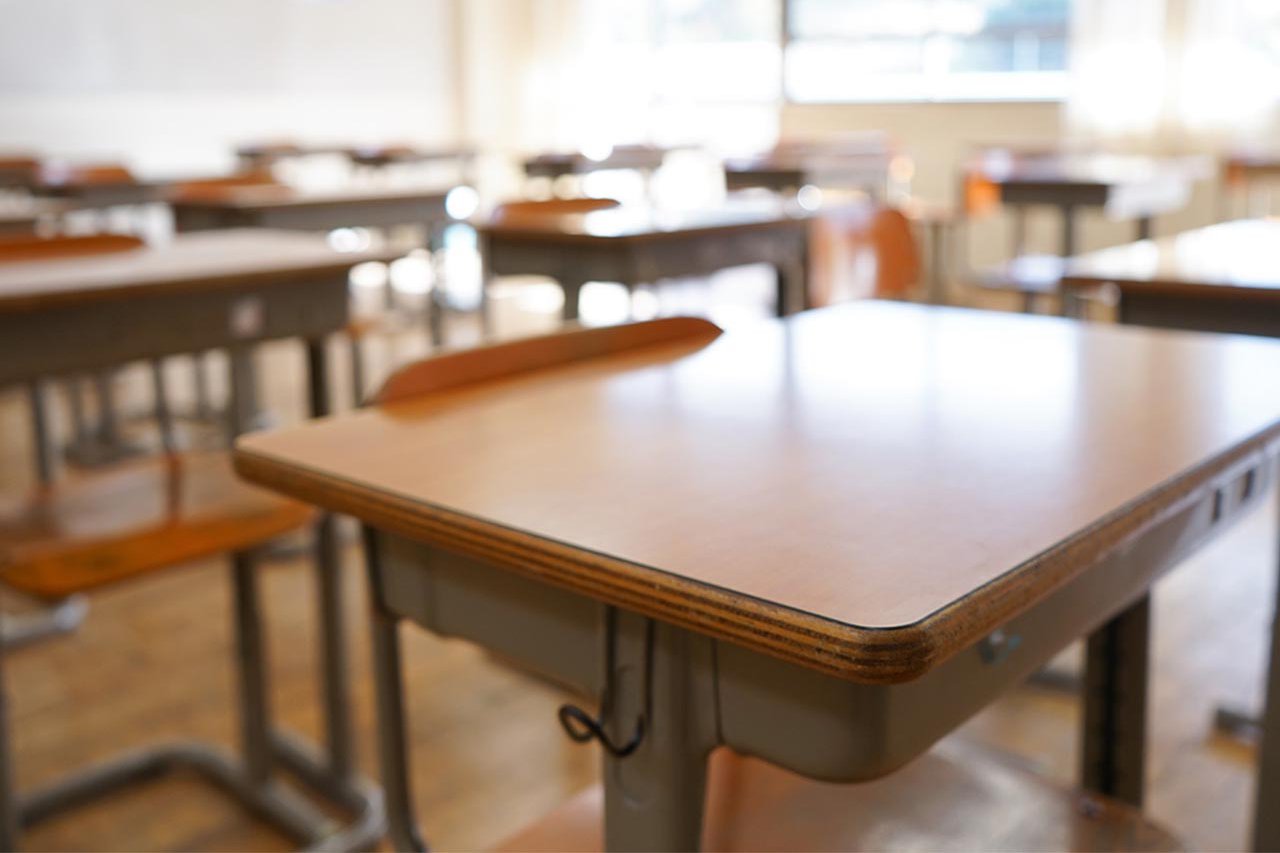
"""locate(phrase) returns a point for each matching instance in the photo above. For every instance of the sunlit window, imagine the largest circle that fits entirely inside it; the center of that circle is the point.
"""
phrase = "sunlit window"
(881, 50)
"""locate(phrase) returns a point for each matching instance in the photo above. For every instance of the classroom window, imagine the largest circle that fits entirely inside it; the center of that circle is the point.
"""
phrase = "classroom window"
(926, 50)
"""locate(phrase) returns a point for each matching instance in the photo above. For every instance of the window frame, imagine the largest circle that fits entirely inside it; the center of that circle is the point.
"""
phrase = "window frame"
(788, 99)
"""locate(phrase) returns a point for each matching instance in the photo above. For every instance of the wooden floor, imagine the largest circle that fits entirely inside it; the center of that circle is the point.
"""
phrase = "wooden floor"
(153, 661)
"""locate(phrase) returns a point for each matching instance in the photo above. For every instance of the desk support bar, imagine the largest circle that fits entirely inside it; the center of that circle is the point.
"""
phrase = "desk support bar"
(1113, 736)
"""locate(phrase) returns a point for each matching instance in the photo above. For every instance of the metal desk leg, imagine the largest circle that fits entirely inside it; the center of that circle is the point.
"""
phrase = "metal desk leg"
(572, 296)
(791, 287)
(1019, 230)
(1266, 807)
(255, 710)
(105, 444)
(41, 445)
(8, 810)
(393, 747)
(328, 589)
(1113, 736)
(658, 688)
(1068, 230)
(245, 413)
(937, 277)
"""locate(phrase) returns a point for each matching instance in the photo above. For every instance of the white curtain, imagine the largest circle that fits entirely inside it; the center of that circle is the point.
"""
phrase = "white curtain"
(1174, 74)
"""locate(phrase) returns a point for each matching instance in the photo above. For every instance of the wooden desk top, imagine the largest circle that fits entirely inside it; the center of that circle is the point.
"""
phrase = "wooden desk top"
(1003, 166)
(1241, 164)
(1237, 259)
(641, 222)
(865, 490)
(576, 163)
(384, 155)
(278, 197)
(191, 261)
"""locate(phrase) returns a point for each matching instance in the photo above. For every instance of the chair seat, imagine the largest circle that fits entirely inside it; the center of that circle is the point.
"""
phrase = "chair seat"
(136, 518)
(956, 797)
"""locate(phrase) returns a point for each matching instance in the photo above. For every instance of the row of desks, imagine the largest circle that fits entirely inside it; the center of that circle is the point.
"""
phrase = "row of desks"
(755, 501)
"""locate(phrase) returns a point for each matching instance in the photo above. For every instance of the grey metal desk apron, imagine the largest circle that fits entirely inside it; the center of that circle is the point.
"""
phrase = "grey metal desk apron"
(748, 543)
(641, 245)
(284, 207)
(1223, 278)
(232, 289)
(868, 171)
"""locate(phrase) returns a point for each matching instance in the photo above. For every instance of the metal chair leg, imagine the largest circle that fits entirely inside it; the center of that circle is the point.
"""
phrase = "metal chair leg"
(249, 780)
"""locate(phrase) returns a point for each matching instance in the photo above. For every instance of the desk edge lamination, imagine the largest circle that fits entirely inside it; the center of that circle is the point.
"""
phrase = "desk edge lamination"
(884, 655)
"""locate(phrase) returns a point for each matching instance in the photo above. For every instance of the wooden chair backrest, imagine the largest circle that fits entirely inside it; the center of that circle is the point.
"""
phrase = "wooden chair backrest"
(499, 361)
(91, 174)
(845, 238)
(979, 195)
(32, 248)
(525, 211)
(893, 240)
(217, 187)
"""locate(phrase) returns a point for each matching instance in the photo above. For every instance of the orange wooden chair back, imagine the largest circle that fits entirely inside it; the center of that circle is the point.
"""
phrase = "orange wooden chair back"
(206, 188)
(862, 250)
(499, 361)
(531, 211)
(88, 174)
(980, 196)
(30, 248)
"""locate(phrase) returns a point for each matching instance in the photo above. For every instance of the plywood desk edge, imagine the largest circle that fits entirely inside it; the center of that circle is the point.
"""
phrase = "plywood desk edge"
(543, 236)
(45, 300)
(879, 655)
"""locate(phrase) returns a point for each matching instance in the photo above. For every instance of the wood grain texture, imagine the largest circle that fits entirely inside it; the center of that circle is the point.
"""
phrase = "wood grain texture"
(135, 519)
(1234, 260)
(194, 262)
(956, 797)
(865, 490)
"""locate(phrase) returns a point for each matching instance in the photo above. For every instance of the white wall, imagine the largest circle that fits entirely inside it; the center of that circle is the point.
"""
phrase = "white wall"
(173, 85)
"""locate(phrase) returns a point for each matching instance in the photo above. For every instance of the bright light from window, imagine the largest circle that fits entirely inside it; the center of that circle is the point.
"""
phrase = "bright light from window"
(879, 50)
(461, 202)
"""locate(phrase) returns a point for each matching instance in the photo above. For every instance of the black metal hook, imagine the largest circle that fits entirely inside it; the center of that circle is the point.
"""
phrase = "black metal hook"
(571, 717)
(580, 726)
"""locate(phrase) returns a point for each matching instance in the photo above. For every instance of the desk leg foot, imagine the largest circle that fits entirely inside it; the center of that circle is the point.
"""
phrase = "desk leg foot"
(654, 796)
(1113, 737)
